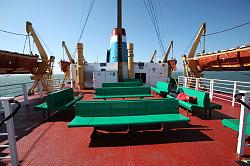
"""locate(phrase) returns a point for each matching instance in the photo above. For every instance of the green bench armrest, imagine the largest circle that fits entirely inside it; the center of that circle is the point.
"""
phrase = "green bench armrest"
(41, 107)
(77, 98)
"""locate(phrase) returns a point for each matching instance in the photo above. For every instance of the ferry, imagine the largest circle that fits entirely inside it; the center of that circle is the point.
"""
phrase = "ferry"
(122, 112)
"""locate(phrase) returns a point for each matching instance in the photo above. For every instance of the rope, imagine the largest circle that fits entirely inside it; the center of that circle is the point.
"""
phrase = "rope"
(150, 9)
(24, 44)
(51, 53)
(225, 30)
(13, 33)
(90, 9)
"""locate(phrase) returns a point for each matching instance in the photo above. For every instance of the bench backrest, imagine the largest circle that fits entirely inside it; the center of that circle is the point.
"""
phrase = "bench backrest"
(132, 80)
(121, 84)
(58, 98)
(126, 107)
(122, 91)
(202, 97)
(163, 86)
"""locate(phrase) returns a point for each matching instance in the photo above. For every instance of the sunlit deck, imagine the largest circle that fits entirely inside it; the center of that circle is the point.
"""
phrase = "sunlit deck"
(199, 142)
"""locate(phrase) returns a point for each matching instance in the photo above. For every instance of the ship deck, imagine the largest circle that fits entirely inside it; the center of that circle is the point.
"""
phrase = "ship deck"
(199, 142)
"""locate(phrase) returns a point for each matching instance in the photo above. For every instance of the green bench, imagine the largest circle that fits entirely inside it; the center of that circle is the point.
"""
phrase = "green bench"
(234, 124)
(59, 100)
(126, 112)
(161, 88)
(123, 92)
(203, 102)
(121, 84)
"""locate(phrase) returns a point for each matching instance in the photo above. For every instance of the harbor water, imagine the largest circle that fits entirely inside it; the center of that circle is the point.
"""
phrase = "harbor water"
(16, 90)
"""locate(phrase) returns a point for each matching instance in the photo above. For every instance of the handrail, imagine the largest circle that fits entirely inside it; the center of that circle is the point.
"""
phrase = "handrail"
(219, 80)
(13, 113)
(237, 98)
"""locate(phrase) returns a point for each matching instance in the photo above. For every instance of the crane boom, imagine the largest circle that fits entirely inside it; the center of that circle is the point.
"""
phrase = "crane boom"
(153, 57)
(191, 66)
(193, 49)
(30, 30)
(165, 56)
(67, 52)
(44, 69)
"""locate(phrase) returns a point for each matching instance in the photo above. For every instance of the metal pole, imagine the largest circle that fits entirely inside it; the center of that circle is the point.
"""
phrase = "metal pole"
(119, 13)
(196, 83)
(243, 124)
(10, 129)
(40, 89)
(211, 87)
(185, 82)
(234, 91)
(25, 94)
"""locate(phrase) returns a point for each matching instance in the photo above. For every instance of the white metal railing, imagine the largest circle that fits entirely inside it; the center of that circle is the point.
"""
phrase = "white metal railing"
(241, 144)
(21, 89)
(221, 89)
(10, 132)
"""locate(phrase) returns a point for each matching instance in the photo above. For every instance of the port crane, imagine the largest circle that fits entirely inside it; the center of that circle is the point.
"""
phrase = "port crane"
(191, 66)
(234, 59)
(153, 57)
(44, 69)
(65, 65)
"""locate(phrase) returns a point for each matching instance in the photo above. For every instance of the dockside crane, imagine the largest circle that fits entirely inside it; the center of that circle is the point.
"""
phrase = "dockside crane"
(44, 70)
(165, 56)
(153, 57)
(191, 66)
(65, 65)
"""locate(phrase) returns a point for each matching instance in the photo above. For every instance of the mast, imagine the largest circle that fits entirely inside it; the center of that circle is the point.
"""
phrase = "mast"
(119, 40)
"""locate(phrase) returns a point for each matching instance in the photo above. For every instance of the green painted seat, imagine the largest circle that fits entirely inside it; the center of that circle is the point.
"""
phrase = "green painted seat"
(203, 101)
(59, 100)
(126, 112)
(234, 124)
(123, 92)
(161, 87)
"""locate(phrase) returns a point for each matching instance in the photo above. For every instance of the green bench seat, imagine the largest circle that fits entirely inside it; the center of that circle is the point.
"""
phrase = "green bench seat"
(203, 102)
(121, 84)
(59, 100)
(123, 92)
(126, 112)
(234, 124)
(161, 87)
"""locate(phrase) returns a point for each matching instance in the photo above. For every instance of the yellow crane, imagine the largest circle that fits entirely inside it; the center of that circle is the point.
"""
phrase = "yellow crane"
(191, 66)
(65, 65)
(44, 70)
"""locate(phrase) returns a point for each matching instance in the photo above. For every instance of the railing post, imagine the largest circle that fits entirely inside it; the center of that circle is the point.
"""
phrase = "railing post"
(211, 89)
(196, 83)
(185, 82)
(243, 124)
(40, 89)
(234, 91)
(10, 129)
(25, 94)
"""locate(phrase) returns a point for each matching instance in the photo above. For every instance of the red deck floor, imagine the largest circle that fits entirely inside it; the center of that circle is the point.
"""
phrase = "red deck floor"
(199, 142)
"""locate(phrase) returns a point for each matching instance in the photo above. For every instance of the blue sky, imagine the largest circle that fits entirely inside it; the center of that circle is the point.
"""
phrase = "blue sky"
(179, 21)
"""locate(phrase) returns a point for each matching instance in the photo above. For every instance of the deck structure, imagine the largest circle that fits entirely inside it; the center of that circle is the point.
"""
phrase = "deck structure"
(202, 142)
